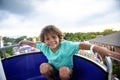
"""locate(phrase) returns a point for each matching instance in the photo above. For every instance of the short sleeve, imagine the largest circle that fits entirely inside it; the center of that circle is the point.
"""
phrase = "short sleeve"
(70, 47)
(75, 47)
(41, 46)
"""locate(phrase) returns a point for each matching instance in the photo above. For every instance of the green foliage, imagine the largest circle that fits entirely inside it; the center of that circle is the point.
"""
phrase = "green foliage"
(20, 38)
(9, 52)
(7, 39)
(116, 70)
(86, 36)
(108, 31)
(1, 55)
(79, 36)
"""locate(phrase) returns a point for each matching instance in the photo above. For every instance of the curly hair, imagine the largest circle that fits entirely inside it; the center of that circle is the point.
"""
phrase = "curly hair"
(48, 29)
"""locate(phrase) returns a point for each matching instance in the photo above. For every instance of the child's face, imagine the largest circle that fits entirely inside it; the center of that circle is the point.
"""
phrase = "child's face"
(52, 40)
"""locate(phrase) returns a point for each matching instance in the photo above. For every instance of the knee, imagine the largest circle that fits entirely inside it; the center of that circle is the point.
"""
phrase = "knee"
(65, 73)
(45, 68)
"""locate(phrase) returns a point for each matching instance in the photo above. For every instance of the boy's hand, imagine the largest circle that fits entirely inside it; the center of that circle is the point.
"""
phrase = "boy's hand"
(115, 55)
(21, 43)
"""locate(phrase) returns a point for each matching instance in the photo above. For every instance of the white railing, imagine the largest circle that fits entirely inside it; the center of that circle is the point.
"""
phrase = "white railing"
(3, 49)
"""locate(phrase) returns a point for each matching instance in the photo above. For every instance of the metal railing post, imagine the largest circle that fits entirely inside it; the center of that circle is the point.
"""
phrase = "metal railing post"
(3, 49)
(109, 67)
(4, 53)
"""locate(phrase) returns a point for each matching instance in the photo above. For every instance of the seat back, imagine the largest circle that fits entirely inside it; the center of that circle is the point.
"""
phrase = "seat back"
(87, 69)
(24, 66)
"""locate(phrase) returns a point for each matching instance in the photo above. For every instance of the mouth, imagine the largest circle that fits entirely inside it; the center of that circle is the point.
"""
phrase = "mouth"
(52, 44)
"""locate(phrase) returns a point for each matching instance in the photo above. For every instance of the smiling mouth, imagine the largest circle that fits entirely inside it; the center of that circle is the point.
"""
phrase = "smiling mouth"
(52, 45)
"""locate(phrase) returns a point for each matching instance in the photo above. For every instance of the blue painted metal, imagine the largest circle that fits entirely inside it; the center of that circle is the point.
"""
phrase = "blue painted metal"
(85, 69)
(26, 67)
(23, 67)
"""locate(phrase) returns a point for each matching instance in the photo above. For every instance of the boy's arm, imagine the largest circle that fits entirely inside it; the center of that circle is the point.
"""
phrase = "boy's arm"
(100, 50)
(96, 48)
(30, 43)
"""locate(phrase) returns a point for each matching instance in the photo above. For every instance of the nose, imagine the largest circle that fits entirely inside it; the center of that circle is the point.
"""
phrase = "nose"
(51, 39)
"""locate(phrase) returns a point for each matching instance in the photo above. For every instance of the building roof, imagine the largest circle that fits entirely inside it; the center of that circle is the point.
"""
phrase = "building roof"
(111, 39)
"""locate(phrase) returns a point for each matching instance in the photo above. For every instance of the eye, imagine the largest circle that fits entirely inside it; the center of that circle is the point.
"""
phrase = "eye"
(53, 37)
(46, 38)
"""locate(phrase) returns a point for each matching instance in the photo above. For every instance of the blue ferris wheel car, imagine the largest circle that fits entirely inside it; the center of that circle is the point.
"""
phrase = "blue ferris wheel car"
(26, 67)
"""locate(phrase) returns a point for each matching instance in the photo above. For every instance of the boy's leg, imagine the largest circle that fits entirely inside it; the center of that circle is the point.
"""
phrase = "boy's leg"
(65, 73)
(47, 70)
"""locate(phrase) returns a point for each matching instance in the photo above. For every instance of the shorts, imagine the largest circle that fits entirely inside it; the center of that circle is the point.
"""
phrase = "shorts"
(55, 73)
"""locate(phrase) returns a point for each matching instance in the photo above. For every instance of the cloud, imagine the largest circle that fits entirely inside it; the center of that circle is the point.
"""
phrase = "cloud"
(75, 11)
(28, 17)
(17, 6)
(72, 9)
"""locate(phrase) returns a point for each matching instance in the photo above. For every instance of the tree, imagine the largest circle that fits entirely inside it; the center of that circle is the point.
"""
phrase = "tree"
(20, 38)
(108, 31)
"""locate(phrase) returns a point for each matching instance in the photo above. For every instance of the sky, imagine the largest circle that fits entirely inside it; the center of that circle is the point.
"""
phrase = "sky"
(28, 17)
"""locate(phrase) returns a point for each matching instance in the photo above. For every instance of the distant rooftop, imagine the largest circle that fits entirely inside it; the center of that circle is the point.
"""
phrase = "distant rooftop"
(111, 39)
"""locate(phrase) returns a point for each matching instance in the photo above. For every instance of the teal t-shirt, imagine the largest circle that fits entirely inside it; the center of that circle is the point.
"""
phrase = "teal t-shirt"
(63, 56)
